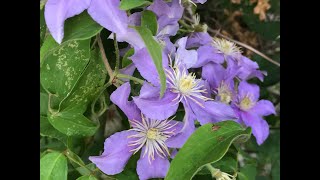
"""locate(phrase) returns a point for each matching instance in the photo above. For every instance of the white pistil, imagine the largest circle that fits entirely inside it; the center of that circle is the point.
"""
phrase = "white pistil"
(226, 47)
(152, 134)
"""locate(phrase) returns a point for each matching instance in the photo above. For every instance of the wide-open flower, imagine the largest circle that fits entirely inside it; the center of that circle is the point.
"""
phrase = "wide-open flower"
(251, 111)
(182, 86)
(153, 137)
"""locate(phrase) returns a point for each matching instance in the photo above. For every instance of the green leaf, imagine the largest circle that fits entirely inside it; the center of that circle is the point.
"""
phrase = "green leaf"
(125, 60)
(62, 68)
(72, 122)
(43, 104)
(207, 144)
(89, 84)
(87, 177)
(48, 45)
(227, 164)
(53, 166)
(86, 170)
(80, 27)
(248, 172)
(46, 129)
(43, 27)
(155, 52)
(130, 4)
(149, 20)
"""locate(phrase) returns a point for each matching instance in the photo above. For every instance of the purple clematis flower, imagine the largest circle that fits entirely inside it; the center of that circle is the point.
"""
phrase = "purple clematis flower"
(182, 86)
(243, 67)
(221, 81)
(197, 39)
(153, 137)
(251, 111)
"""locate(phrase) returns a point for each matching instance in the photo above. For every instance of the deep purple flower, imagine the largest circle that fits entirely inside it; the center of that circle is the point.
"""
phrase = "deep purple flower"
(153, 137)
(251, 111)
(182, 86)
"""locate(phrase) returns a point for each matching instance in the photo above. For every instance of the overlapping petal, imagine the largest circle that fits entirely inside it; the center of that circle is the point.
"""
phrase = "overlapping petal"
(116, 153)
(120, 98)
(57, 11)
(158, 168)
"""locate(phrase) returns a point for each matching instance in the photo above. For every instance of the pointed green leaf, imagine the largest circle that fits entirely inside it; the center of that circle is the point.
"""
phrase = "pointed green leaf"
(44, 104)
(89, 84)
(155, 52)
(80, 27)
(72, 122)
(207, 144)
(53, 166)
(46, 129)
(130, 4)
(62, 68)
(149, 20)
(125, 60)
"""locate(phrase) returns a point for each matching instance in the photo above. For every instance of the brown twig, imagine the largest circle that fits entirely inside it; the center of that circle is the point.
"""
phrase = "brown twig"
(104, 57)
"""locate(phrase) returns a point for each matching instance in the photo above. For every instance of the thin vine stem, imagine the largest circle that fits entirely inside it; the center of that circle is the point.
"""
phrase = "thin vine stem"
(140, 81)
(104, 57)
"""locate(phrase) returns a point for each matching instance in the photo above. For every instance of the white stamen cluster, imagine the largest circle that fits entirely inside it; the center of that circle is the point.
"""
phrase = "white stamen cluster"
(226, 47)
(185, 85)
(152, 134)
(246, 103)
(219, 175)
(224, 93)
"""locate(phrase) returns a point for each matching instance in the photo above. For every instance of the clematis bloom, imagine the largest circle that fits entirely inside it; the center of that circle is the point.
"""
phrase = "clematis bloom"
(251, 110)
(153, 137)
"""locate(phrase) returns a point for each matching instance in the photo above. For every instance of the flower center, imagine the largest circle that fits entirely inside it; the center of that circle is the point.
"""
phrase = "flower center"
(186, 84)
(227, 47)
(246, 103)
(152, 133)
(224, 93)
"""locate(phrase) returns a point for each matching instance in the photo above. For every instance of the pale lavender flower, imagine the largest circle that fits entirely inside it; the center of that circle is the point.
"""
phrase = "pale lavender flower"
(251, 110)
(153, 137)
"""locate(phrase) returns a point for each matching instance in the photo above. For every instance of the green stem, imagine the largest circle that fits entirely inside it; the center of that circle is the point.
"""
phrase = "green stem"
(104, 57)
(184, 24)
(102, 90)
(116, 69)
(140, 81)
(78, 163)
